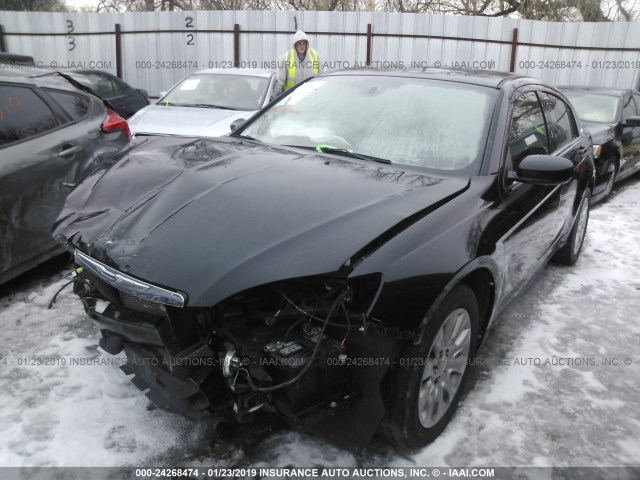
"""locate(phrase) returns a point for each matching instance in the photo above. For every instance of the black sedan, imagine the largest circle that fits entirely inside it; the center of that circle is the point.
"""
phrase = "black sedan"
(339, 258)
(612, 116)
(52, 135)
(123, 98)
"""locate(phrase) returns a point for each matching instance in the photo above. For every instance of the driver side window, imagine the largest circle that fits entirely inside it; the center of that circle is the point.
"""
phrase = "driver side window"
(528, 132)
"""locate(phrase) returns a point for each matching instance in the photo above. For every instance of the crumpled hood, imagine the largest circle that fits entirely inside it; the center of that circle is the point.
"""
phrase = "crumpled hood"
(189, 121)
(600, 132)
(213, 218)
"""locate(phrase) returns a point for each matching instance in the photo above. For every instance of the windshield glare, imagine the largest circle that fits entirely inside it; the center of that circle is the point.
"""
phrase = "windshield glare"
(410, 121)
(594, 107)
(237, 92)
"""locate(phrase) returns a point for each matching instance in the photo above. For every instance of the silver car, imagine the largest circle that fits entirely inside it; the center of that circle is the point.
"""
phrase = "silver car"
(206, 103)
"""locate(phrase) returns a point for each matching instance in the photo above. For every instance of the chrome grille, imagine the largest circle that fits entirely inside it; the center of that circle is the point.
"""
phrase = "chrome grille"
(143, 306)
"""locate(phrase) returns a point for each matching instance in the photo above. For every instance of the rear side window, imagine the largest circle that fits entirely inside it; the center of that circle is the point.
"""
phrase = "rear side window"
(528, 135)
(76, 106)
(23, 114)
(560, 122)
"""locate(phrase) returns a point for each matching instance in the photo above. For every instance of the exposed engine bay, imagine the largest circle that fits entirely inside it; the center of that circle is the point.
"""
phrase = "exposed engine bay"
(301, 349)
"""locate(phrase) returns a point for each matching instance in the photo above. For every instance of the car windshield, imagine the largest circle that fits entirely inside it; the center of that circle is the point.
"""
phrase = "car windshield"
(594, 107)
(409, 121)
(204, 90)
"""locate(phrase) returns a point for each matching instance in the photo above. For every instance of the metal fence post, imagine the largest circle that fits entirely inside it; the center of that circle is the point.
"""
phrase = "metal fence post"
(236, 45)
(118, 34)
(369, 38)
(3, 48)
(514, 49)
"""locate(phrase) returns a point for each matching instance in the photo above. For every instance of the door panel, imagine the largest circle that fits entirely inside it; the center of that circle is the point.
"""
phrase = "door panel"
(532, 209)
(33, 171)
(565, 142)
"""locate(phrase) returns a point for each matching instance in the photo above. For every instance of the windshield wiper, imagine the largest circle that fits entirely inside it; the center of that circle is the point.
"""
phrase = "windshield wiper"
(349, 153)
(204, 105)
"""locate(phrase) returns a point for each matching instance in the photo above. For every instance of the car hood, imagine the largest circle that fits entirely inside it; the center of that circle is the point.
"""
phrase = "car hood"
(190, 121)
(600, 132)
(213, 218)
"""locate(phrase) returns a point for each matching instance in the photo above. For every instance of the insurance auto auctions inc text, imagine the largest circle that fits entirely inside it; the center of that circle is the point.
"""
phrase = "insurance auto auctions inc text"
(405, 472)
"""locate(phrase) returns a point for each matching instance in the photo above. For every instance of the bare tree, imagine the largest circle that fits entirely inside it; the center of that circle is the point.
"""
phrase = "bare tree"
(34, 5)
(551, 10)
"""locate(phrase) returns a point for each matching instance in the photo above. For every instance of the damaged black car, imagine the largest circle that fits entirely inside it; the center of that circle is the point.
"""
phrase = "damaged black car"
(338, 259)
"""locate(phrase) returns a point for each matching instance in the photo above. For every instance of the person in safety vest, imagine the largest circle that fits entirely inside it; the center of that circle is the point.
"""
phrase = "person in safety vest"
(297, 64)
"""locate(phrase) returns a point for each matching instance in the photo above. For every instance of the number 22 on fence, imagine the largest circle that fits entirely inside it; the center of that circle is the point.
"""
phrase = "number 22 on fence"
(189, 24)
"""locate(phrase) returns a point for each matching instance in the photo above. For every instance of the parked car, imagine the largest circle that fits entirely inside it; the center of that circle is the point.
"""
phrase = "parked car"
(123, 98)
(206, 103)
(613, 118)
(338, 258)
(51, 136)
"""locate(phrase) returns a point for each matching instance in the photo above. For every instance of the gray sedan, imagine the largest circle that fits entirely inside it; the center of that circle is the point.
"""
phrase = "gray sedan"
(206, 103)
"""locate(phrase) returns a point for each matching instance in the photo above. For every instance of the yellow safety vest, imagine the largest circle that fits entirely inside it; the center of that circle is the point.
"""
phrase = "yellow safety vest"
(291, 76)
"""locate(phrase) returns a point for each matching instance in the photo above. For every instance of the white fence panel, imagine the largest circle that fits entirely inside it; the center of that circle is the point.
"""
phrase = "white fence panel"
(159, 48)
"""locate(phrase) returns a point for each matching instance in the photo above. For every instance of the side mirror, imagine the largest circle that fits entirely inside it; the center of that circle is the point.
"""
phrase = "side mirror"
(543, 170)
(236, 123)
(632, 122)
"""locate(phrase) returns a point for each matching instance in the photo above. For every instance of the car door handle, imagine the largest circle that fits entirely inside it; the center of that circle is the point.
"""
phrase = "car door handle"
(582, 150)
(70, 151)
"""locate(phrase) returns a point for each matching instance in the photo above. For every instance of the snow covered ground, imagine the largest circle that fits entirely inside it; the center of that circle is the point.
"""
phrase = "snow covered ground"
(557, 383)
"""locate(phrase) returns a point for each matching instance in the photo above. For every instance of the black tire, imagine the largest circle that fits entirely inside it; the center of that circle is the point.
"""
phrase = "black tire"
(569, 253)
(611, 167)
(402, 425)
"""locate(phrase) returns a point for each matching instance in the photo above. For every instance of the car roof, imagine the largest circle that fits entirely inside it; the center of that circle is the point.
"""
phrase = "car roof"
(37, 77)
(487, 78)
(602, 90)
(21, 74)
(252, 72)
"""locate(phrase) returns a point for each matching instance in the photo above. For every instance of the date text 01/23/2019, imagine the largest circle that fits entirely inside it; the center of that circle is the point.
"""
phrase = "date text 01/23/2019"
(314, 472)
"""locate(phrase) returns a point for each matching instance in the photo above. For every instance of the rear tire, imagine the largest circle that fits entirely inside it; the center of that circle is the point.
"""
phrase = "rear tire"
(428, 379)
(569, 253)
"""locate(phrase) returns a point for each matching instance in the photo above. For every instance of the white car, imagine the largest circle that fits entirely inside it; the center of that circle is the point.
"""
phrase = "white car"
(206, 103)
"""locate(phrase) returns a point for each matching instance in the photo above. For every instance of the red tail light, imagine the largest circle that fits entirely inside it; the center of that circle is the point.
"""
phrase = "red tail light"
(114, 123)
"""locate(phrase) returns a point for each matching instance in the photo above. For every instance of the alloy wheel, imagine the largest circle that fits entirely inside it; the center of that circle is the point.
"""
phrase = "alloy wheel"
(444, 367)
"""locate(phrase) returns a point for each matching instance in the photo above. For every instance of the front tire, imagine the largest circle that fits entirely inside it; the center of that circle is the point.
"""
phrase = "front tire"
(569, 253)
(428, 379)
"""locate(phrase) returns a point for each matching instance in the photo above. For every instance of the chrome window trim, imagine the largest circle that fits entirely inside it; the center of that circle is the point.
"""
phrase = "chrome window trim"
(128, 284)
